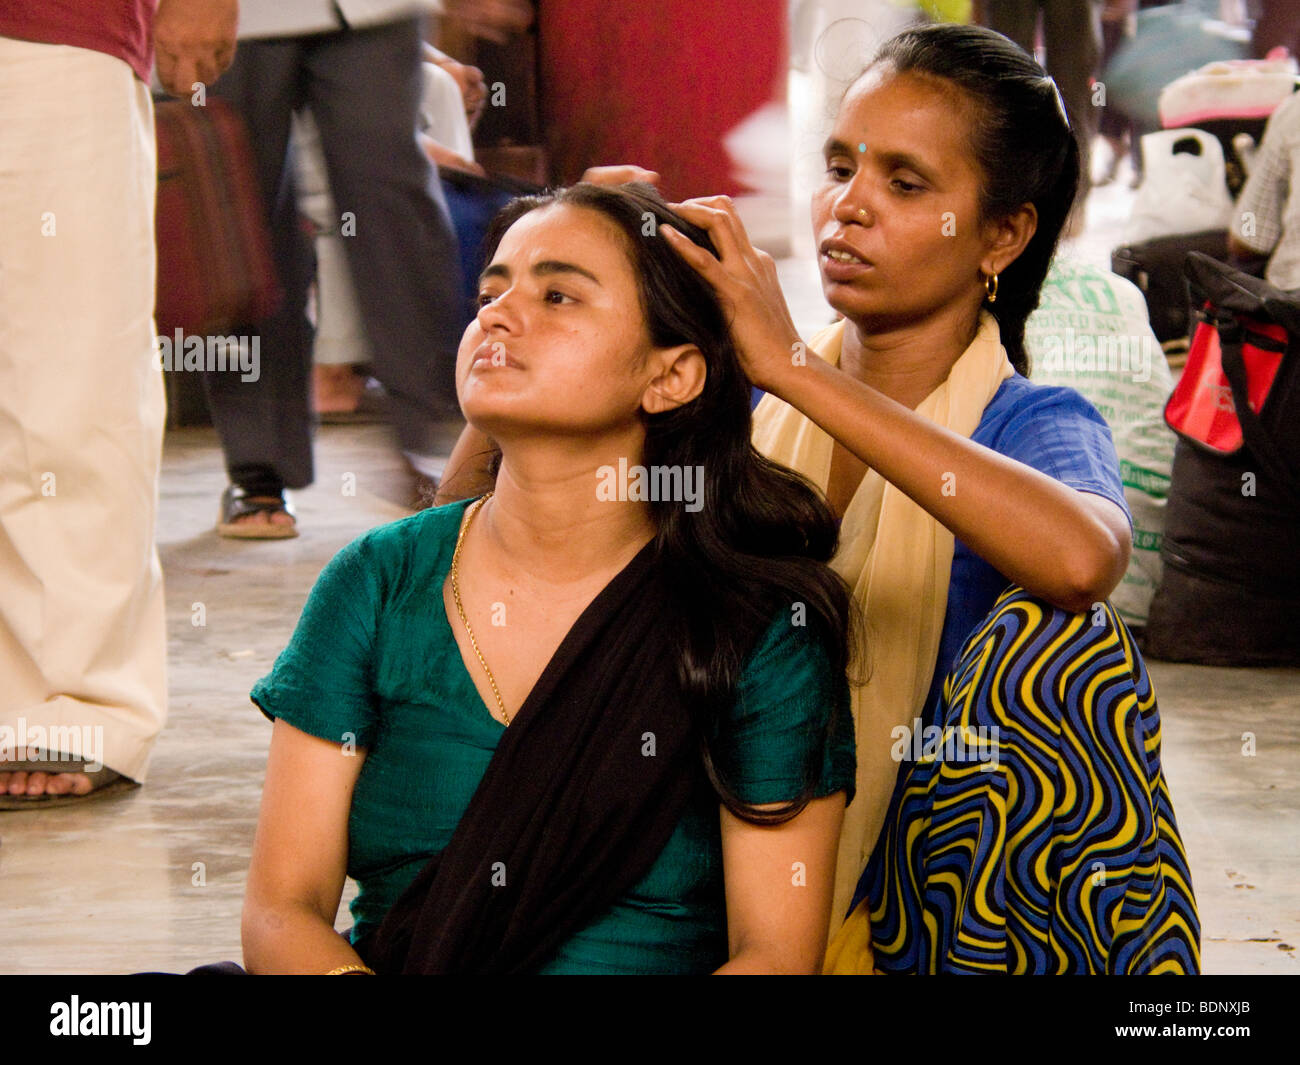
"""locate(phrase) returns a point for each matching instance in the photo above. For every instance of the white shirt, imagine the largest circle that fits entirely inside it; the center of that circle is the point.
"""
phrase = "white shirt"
(294, 18)
(1268, 211)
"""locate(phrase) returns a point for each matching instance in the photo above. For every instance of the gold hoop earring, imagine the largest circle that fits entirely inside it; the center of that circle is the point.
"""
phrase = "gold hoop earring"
(991, 287)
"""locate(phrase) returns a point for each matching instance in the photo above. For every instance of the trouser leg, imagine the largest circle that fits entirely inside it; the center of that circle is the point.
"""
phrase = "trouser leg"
(1017, 19)
(364, 91)
(1072, 38)
(266, 425)
(82, 636)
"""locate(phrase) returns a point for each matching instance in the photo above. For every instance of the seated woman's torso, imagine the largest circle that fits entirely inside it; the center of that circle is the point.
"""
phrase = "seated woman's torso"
(431, 738)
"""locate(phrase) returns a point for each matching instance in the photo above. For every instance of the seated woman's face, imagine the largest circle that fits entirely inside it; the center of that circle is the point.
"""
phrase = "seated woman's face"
(559, 344)
(898, 150)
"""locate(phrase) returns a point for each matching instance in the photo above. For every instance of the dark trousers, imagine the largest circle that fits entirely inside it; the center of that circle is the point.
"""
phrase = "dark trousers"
(363, 88)
(1072, 43)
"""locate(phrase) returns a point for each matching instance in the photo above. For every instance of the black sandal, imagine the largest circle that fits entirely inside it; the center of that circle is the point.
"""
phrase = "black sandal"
(236, 504)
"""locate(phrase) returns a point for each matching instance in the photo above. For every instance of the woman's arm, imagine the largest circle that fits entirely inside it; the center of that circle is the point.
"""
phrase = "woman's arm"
(299, 860)
(1069, 547)
(779, 884)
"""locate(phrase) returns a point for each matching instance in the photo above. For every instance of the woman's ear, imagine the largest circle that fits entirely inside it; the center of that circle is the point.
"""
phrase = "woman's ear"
(680, 373)
(1007, 237)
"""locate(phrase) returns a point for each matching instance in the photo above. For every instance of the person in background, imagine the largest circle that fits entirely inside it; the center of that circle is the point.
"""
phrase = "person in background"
(1267, 218)
(1115, 127)
(356, 65)
(82, 637)
(1072, 46)
(452, 99)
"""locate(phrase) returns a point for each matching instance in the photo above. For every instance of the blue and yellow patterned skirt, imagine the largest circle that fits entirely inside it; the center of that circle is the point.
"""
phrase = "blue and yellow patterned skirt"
(1031, 830)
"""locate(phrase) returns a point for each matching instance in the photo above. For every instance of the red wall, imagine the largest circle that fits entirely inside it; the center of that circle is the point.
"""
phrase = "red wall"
(656, 84)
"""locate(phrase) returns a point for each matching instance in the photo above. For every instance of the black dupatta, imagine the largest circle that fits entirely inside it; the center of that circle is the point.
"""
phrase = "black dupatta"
(583, 791)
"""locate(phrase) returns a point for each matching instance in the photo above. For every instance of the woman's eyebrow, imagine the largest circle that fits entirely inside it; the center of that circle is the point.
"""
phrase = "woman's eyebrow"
(835, 147)
(906, 161)
(546, 266)
(553, 266)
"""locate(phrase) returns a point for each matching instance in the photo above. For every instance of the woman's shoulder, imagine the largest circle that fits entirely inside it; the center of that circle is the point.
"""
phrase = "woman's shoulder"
(418, 539)
(1056, 431)
(1019, 402)
(788, 678)
(791, 710)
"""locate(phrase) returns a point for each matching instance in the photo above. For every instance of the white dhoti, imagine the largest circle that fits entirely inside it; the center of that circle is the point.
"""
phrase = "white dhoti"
(82, 636)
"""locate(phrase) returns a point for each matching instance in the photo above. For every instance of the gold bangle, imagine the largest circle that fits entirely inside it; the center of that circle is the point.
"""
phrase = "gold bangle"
(343, 970)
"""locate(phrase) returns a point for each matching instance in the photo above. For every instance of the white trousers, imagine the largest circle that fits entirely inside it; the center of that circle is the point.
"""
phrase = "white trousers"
(82, 633)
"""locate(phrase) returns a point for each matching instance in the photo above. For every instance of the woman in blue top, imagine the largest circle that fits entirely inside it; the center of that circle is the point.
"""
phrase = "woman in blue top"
(1029, 828)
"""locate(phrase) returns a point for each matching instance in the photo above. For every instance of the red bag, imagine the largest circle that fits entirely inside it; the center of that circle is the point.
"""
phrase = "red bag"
(1230, 591)
(215, 269)
(1201, 407)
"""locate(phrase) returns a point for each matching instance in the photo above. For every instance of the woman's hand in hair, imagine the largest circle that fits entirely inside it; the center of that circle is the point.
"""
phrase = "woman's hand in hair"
(746, 284)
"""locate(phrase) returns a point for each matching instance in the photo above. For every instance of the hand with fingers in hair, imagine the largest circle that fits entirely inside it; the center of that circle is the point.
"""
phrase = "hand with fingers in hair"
(745, 281)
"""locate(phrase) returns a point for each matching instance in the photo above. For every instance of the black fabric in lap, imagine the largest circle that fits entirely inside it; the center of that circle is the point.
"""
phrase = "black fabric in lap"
(569, 806)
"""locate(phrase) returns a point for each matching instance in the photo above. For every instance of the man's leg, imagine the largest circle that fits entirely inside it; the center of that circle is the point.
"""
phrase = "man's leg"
(364, 90)
(266, 425)
(82, 638)
(1072, 38)
(1017, 19)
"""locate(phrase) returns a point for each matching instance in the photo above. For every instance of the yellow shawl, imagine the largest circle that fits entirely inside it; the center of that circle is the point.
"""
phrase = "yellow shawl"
(897, 559)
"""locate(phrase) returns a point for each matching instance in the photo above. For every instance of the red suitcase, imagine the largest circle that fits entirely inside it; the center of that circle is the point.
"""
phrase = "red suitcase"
(215, 269)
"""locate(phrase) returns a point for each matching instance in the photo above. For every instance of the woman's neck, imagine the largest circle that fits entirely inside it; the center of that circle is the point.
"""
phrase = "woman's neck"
(907, 362)
(547, 520)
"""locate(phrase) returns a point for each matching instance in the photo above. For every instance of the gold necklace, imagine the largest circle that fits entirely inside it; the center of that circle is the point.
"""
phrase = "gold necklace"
(460, 609)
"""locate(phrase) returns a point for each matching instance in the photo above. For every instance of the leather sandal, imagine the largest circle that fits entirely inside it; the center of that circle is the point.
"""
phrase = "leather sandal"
(236, 504)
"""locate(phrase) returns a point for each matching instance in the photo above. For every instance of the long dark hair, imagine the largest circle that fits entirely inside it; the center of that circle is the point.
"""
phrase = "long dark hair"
(765, 534)
(1021, 140)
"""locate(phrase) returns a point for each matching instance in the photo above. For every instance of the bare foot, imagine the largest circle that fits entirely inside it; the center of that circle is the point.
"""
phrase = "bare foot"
(24, 782)
(336, 388)
(264, 517)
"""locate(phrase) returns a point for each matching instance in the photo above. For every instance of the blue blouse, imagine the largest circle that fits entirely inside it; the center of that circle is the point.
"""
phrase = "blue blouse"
(1057, 432)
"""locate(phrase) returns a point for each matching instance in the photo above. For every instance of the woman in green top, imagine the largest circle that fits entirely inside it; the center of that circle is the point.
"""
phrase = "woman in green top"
(434, 654)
